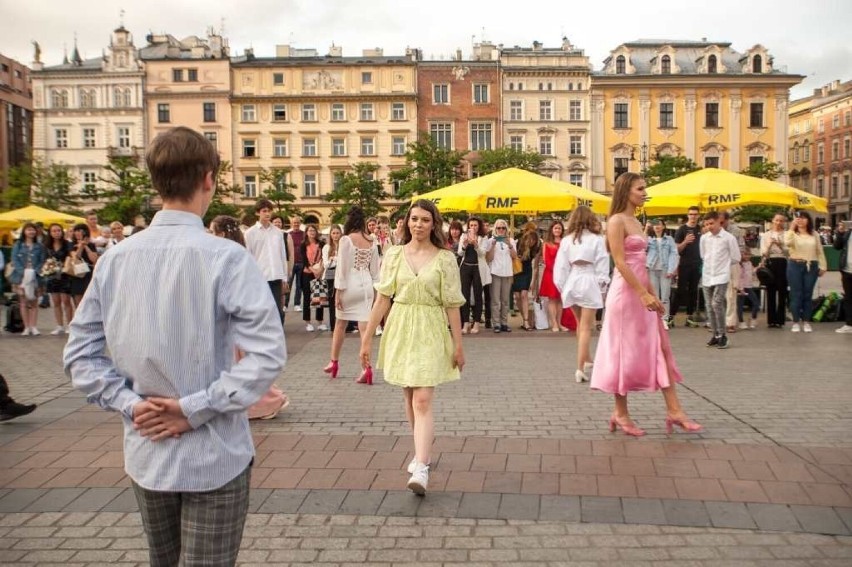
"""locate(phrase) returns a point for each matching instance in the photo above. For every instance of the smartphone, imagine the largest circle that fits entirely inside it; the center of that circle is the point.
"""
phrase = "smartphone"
(499, 238)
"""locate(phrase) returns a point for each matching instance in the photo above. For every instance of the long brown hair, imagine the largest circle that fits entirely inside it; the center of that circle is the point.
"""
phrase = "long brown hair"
(582, 219)
(621, 192)
(454, 224)
(51, 242)
(332, 245)
(550, 239)
(436, 235)
(229, 228)
(528, 241)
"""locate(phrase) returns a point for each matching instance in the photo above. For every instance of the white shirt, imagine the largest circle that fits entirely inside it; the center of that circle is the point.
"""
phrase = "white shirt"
(718, 252)
(591, 249)
(267, 247)
(501, 263)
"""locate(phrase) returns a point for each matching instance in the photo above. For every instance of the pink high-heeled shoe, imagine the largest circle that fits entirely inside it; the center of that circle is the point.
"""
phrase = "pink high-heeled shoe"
(685, 424)
(331, 368)
(627, 429)
(366, 376)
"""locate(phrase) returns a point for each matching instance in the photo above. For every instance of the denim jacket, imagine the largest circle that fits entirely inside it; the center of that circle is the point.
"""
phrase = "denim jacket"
(19, 260)
(664, 248)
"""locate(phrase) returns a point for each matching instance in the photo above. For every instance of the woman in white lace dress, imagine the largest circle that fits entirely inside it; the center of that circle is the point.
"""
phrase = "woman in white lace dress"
(357, 271)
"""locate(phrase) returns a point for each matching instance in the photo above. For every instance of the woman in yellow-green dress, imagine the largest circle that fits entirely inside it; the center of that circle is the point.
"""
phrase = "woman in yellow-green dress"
(417, 352)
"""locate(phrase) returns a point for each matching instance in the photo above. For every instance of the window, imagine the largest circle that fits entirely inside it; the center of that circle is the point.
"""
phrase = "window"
(61, 135)
(192, 75)
(712, 65)
(249, 148)
(396, 186)
(575, 179)
(847, 148)
(278, 79)
(60, 99)
(846, 182)
(480, 136)
(90, 178)
(835, 122)
(711, 161)
(511, 86)
(550, 86)
(834, 181)
(338, 112)
(847, 118)
(620, 65)
(398, 146)
(575, 110)
(757, 64)
(575, 145)
(820, 153)
(820, 188)
(545, 110)
(752, 160)
(666, 65)
(309, 113)
(620, 109)
(210, 112)
(279, 147)
(368, 146)
(442, 133)
(310, 185)
(516, 110)
(338, 147)
(249, 113)
(367, 111)
(480, 94)
(397, 111)
(279, 112)
(177, 75)
(213, 138)
(441, 94)
(123, 136)
(711, 115)
(666, 115)
(87, 98)
(570, 86)
(309, 147)
(520, 86)
(820, 127)
(163, 114)
(835, 150)
(336, 181)
(121, 97)
(367, 78)
(756, 115)
(807, 153)
(545, 145)
(88, 137)
(796, 154)
(516, 143)
(250, 186)
(621, 164)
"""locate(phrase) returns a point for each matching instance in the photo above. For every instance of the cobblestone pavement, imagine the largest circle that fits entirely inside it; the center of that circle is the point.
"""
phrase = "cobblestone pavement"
(524, 468)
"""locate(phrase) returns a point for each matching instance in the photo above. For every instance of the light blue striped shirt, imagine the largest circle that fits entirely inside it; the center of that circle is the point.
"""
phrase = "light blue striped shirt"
(170, 305)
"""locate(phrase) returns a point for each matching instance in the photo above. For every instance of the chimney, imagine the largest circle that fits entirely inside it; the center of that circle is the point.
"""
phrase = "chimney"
(335, 51)
(835, 85)
(458, 54)
(375, 52)
(282, 50)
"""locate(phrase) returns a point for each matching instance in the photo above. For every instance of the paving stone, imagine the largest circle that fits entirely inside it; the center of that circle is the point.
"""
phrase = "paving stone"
(483, 505)
(283, 501)
(362, 502)
(519, 506)
(18, 499)
(774, 517)
(257, 496)
(322, 502)
(397, 503)
(601, 509)
(845, 515)
(643, 511)
(686, 513)
(93, 500)
(124, 502)
(822, 520)
(55, 499)
(440, 504)
(560, 508)
(730, 515)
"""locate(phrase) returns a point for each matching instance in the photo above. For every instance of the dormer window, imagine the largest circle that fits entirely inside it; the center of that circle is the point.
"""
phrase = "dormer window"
(666, 65)
(757, 64)
(620, 65)
(711, 65)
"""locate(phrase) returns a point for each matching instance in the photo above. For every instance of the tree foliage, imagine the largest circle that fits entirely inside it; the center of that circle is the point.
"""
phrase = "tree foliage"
(361, 187)
(506, 157)
(427, 167)
(225, 192)
(771, 170)
(20, 182)
(52, 186)
(668, 168)
(279, 190)
(126, 191)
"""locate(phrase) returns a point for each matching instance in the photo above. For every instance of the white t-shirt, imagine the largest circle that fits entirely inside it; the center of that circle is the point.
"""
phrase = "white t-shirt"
(718, 251)
(267, 247)
(501, 263)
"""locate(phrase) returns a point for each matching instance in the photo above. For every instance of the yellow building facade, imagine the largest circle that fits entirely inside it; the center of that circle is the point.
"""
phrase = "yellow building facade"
(800, 141)
(697, 99)
(319, 115)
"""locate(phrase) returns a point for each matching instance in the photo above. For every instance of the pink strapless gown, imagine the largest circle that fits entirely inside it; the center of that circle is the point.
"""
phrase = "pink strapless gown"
(634, 353)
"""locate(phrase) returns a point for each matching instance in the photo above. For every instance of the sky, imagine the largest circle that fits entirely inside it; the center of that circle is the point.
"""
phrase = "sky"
(809, 38)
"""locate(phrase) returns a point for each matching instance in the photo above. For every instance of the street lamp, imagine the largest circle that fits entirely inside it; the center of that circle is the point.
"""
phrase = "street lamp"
(645, 153)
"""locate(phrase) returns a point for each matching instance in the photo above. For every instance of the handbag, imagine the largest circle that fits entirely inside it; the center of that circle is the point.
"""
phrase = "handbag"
(316, 266)
(764, 274)
(517, 266)
(540, 314)
(319, 292)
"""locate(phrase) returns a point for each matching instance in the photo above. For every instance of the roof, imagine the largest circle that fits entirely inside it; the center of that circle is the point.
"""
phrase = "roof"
(93, 64)
(321, 61)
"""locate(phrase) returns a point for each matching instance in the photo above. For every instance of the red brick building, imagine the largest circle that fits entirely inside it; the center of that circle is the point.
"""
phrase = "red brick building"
(832, 114)
(16, 116)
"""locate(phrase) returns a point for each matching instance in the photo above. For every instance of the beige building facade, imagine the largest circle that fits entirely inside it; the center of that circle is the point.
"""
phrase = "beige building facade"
(319, 115)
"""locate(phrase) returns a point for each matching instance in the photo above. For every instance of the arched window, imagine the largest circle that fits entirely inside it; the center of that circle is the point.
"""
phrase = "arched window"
(620, 65)
(87, 98)
(117, 97)
(59, 98)
(511, 86)
(126, 100)
(711, 64)
(666, 65)
(757, 64)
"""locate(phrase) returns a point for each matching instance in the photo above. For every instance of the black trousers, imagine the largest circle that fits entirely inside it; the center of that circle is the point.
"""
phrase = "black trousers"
(471, 289)
(332, 312)
(776, 294)
(306, 280)
(276, 288)
(486, 305)
(688, 278)
(846, 279)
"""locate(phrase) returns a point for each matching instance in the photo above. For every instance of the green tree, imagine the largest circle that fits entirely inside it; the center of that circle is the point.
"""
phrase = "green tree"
(506, 157)
(52, 186)
(224, 199)
(771, 170)
(668, 168)
(127, 192)
(20, 182)
(427, 167)
(279, 190)
(361, 187)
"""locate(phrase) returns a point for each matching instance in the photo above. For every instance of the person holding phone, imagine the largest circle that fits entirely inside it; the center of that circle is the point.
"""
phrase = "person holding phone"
(500, 250)
(87, 251)
(805, 264)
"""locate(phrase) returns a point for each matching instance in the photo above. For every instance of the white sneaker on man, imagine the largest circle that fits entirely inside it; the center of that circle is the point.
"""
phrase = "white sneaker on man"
(58, 330)
(796, 328)
(743, 325)
(297, 308)
(847, 329)
(322, 327)
(753, 324)
(419, 481)
(34, 332)
(310, 328)
(807, 328)
(26, 332)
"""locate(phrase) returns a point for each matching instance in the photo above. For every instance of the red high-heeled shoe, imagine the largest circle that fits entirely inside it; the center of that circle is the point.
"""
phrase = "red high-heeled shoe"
(366, 376)
(332, 368)
(685, 424)
(627, 429)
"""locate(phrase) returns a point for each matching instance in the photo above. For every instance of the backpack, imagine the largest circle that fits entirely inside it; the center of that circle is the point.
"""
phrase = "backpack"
(14, 321)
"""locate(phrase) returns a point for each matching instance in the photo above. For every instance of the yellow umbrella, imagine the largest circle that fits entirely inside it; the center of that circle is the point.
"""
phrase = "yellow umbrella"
(32, 213)
(514, 191)
(713, 188)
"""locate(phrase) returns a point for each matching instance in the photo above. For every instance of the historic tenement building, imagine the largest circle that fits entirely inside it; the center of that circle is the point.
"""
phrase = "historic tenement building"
(545, 107)
(319, 115)
(698, 99)
(88, 110)
(831, 112)
(16, 116)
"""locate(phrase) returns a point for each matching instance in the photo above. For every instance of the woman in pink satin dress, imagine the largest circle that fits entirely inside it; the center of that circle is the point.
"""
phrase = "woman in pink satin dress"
(634, 354)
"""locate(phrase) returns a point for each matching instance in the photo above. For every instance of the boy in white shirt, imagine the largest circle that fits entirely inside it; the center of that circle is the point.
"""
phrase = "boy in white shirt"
(719, 249)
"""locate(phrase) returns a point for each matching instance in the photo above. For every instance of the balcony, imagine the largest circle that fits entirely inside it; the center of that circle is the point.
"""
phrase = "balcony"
(134, 152)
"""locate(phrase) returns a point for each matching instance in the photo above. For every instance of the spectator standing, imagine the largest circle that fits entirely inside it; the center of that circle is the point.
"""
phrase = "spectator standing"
(58, 285)
(548, 288)
(297, 236)
(474, 273)
(746, 291)
(266, 243)
(95, 231)
(116, 234)
(774, 253)
(719, 249)
(28, 256)
(329, 264)
(529, 246)
(841, 242)
(662, 261)
(500, 250)
(731, 299)
(86, 251)
(806, 264)
(687, 238)
(311, 252)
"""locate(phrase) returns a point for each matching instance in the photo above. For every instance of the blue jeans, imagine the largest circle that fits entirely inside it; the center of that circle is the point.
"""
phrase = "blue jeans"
(751, 295)
(802, 278)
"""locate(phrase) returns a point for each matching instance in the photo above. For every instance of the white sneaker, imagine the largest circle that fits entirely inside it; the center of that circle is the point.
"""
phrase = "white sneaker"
(379, 331)
(412, 466)
(665, 325)
(322, 327)
(752, 324)
(58, 330)
(26, 332)
(847, 329)
(807, 328)
(742, 325)
(796, 328)
(580, 376)
(310, 328)
(34, 332)
(419, 480)
(297, 308)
